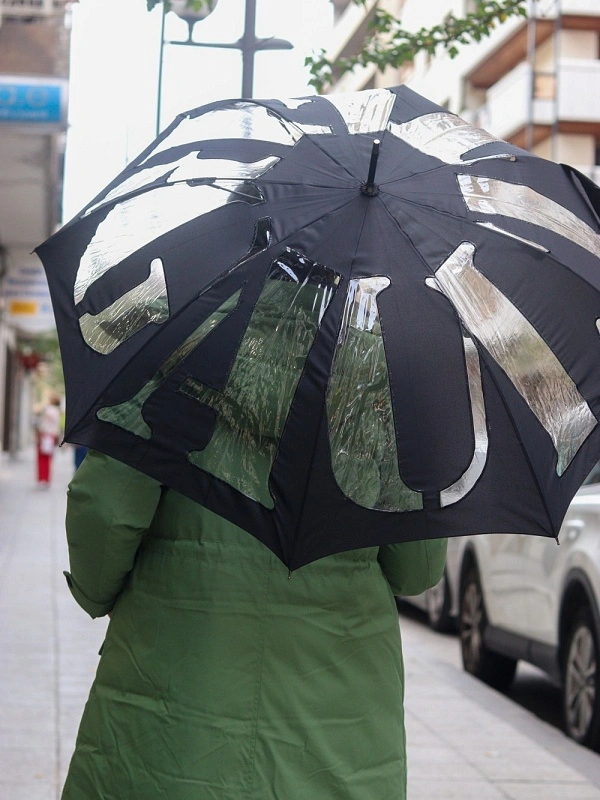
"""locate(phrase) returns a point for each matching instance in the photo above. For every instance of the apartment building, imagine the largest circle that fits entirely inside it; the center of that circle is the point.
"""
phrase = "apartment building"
(534, 82)
(34, 66)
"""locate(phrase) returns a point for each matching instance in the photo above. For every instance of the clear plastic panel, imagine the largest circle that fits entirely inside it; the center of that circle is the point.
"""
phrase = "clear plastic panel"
(316, 130)
(444, 136)
(364, 112)
(128, 415)
(362, 435)
(520, 351)
(243, 120)
(491, 196)
(459, 489)
(136, 222)
(491, 227)
(188, 168)
(254, 405)
(148, 302)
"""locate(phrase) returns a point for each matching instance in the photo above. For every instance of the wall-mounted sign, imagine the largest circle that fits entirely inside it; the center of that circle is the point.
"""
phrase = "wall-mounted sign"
(27, 299)
(33, 100)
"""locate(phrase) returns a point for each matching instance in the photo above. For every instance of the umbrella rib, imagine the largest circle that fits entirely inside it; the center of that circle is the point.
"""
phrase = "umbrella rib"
(434, 168)
(312, 139)
(541, 494)
(324, 405)
(501, 234)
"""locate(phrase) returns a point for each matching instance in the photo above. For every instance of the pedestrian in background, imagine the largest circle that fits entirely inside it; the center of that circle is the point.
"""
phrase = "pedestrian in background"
(48, 431)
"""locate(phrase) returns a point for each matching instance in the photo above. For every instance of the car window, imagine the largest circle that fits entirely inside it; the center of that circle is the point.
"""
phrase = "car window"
(594, 476)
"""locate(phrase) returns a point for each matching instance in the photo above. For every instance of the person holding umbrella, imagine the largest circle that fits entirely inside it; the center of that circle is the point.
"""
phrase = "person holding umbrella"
(227, 673)
(223, 674)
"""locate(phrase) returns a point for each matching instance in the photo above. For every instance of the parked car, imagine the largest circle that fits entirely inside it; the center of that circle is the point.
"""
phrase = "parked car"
(526, 597)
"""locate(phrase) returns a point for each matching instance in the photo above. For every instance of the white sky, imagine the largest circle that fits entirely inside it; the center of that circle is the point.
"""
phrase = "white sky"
(114, 76)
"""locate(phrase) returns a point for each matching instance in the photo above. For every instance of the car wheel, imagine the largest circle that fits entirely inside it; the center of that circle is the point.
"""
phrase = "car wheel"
(438, 606)
(581, 681)
(493, 668)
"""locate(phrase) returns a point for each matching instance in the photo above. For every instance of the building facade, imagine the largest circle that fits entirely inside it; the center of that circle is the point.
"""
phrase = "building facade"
(534, 82)
(34, 68)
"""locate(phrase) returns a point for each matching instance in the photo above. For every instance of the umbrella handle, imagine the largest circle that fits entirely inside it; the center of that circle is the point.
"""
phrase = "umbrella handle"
(369, 187)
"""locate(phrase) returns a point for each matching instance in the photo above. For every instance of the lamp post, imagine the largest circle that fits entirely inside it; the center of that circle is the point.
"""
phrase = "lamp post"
(248, 44)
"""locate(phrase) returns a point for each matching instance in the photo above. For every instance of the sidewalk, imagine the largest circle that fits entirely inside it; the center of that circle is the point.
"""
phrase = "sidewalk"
(465, 741)
(48, 645)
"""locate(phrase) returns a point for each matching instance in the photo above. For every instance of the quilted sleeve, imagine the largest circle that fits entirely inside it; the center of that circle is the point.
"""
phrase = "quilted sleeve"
(412, 567)
(109, 508)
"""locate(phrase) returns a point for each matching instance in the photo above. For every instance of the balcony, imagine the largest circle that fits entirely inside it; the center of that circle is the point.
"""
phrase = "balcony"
(586, 12)
(571, 99)
(511, 41)
(509, 52)
(350, 30)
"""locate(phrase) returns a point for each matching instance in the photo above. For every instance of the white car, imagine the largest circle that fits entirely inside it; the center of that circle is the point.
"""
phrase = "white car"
(524, 597)
(527, 597)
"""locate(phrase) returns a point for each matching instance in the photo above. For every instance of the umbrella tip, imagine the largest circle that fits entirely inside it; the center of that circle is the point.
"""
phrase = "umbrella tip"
(369, 187)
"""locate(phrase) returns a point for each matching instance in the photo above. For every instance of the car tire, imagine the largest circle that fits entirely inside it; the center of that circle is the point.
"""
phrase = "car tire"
(492, 668)
(438, 606)
(581, 681)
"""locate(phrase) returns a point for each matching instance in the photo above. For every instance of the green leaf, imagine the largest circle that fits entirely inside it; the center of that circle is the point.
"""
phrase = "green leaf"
(388, 44)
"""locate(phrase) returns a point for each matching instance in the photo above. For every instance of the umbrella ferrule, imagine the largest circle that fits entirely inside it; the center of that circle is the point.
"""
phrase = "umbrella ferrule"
(369, 187)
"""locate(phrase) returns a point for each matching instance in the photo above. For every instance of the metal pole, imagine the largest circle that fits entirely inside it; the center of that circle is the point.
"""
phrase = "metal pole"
(531, 47)
(556, 108)
(248, 48)
(160, 69)
(248, 45)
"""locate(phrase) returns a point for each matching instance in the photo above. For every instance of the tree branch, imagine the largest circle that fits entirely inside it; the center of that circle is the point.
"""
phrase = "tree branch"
(388, 44)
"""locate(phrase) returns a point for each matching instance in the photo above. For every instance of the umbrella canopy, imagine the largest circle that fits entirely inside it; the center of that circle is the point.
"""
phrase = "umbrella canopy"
(338, 322)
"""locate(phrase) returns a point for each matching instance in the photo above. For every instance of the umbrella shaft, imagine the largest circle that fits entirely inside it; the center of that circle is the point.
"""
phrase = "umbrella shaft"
(369, 187)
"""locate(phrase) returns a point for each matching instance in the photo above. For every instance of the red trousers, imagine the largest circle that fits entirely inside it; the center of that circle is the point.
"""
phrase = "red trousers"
(44, 463)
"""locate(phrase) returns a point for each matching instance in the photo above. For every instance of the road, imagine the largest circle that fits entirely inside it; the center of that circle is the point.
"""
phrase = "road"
(531, 688)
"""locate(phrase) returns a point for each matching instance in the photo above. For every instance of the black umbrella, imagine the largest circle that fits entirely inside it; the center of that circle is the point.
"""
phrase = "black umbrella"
(338, 322)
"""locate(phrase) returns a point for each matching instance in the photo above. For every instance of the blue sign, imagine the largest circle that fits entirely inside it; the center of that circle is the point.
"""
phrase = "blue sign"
(32, 101)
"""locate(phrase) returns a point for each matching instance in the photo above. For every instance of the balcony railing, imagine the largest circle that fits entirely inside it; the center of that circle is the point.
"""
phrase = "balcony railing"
(519, 99)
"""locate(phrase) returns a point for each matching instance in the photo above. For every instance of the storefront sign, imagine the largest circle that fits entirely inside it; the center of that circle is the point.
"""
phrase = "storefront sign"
(33, 100)
(27, 299)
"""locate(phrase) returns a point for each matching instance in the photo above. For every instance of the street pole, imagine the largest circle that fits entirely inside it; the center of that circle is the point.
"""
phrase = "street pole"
(160, 68)
(248, 45)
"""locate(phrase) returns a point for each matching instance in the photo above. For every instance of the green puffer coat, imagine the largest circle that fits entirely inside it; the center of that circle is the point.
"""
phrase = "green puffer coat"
(222, 677)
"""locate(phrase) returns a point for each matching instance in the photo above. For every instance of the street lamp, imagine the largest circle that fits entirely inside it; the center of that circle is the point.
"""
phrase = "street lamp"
(248, 44)
(189, 15)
